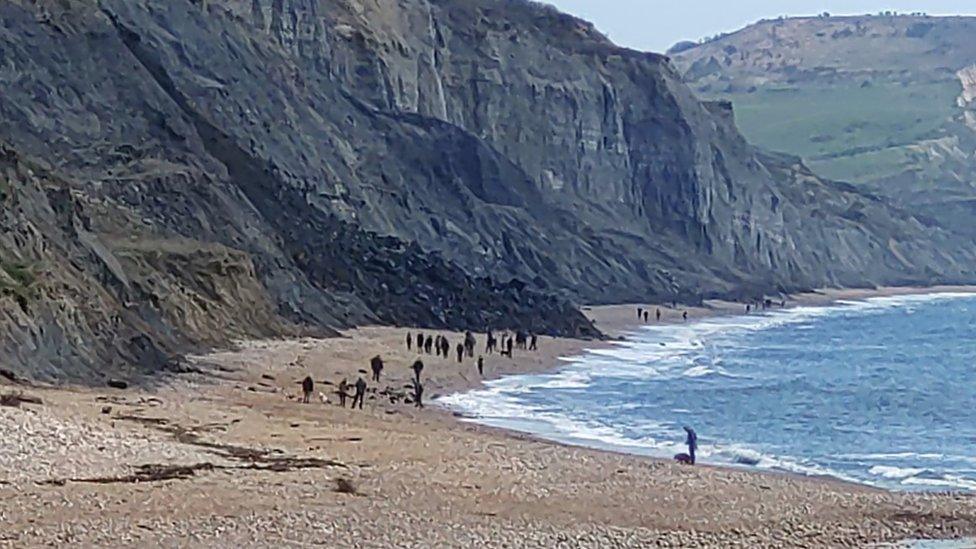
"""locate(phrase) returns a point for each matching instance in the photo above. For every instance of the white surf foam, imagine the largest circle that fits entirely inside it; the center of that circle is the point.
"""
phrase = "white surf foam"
(894, 473)
(686, 350)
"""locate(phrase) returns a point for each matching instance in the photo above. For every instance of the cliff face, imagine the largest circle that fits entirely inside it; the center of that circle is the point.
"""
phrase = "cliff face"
(681, 202)
(244, 168)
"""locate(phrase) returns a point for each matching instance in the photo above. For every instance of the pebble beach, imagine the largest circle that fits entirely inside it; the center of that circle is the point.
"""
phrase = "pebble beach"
(228, 456)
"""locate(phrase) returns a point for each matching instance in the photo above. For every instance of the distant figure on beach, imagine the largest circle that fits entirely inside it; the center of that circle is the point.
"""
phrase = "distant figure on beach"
(684, 315)
(360, 393)
(418, 394)
(490, 343)
(640, 313)
(460, 352)
(469, 343)
(658, 313)
(420, 343)
(428, 345)
(509, 349)
(446, 349)
(692, 442)
(343, 392)
(534, 343)
(307, 387)
(481, 366)
(409, 340)
(646, 317)
(748, 308)
(417, 367)
(376, 364)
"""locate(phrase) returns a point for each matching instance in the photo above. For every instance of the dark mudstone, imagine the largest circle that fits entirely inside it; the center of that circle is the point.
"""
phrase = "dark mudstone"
(490, 168)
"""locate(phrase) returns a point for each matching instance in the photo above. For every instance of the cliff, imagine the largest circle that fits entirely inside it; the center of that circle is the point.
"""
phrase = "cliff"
(217, 169)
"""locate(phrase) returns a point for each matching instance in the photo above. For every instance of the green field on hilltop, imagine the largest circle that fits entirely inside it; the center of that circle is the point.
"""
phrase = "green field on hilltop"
(847, 132)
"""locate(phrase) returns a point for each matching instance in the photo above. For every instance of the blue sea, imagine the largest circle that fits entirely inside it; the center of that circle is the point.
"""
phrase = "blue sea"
(880, 392)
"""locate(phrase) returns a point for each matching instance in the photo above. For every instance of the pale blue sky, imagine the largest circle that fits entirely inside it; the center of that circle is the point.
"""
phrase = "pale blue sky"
(655, 25)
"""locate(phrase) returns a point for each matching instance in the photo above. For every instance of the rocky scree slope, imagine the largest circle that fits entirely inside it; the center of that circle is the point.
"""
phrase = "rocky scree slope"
(203, 170)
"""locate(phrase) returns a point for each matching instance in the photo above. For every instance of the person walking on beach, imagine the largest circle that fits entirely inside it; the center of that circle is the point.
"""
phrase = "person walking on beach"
(376, 364)
(420, 343)
(343, 392)
(481, 366)
(534, 343)
(510, 343)
(418, 394)
(409, 340)
(417, 367)
(460, 352)
(658, 313)
(360, 393)
(428, 344)
(469, 343)
(307, 387)
(640, 313)
(646, 317)
(684, 315)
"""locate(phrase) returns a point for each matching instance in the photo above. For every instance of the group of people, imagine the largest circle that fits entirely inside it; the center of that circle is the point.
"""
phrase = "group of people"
(358, 398)
(645, 314)
(511, 341)
(764, 304)
(519, 340)
(429, 344)
(441, 345)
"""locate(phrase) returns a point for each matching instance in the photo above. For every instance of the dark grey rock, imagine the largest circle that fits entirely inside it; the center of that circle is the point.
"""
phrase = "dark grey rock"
(117, 384)
(176, 174)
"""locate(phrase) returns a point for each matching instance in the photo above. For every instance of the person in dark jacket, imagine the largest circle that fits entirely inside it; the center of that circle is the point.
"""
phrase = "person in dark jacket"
(307, 387)
(360, 393)
(417, 367)
(376, 365)
(692, 442)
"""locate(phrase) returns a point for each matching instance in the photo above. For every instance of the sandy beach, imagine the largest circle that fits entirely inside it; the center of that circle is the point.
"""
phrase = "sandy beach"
(229, 456)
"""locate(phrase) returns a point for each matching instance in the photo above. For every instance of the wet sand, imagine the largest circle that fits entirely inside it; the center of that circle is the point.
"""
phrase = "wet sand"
(258, 468)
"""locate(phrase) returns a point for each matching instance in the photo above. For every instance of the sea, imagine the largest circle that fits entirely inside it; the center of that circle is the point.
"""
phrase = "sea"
(880, 391)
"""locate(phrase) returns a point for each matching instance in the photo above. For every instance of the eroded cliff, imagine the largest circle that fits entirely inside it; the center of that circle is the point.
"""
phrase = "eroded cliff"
(268, 166)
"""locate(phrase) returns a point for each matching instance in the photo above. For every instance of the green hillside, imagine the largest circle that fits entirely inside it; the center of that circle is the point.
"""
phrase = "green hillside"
(878, 101)
(848, 131)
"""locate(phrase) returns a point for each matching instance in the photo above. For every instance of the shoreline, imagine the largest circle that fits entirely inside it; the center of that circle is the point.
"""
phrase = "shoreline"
(252, 465)
(619, 322)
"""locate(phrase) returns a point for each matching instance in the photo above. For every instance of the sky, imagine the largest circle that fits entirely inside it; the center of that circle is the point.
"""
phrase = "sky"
(656, 25)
